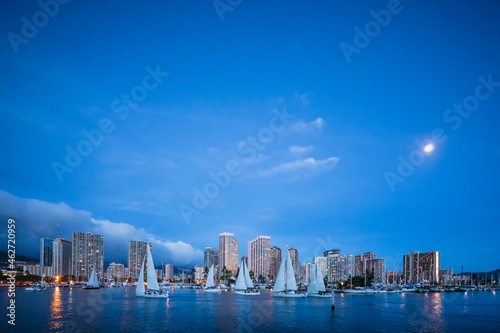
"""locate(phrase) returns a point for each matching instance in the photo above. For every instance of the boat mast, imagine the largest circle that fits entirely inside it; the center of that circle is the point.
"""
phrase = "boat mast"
(286, 267)
(365, 272)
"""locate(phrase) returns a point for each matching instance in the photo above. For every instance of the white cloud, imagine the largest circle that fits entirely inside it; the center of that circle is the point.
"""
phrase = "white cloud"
(319, 122)
(301, 126)
(299, 150)
(309, 165)
(36, 219)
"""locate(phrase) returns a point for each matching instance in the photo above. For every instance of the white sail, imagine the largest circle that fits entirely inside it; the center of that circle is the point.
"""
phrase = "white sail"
(279, 285)
(43, 275)
(240, 281)
(248, 280)
(210, 278)
(151, 274)
(93, 282)
(320, 279)
(313, 286)
(290, 284)
(140, 282)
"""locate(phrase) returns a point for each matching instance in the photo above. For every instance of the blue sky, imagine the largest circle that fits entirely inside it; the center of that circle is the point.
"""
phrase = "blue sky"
(318, 183)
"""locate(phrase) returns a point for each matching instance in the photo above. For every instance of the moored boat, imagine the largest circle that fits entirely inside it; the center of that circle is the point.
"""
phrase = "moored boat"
(210, 285)
(153, 289)
(244, 285)
(285, 285)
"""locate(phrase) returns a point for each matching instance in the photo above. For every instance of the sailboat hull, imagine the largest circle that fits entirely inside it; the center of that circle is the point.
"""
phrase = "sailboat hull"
(153, 295)
(36, 288)
(90, 287)
(247, 293)
(211, 290)
(353, 292)
(289, 295)
(320, 295)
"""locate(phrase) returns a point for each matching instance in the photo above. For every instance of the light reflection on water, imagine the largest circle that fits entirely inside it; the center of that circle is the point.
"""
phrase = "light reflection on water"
(56, 308)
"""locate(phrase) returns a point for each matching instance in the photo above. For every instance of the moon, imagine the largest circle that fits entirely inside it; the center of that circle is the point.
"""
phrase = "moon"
(429, 148)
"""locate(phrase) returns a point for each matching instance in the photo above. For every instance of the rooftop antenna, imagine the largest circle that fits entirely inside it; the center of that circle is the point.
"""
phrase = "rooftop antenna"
(58, 233)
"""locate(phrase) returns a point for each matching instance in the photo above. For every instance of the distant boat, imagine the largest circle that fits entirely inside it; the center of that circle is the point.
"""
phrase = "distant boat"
(244, 284)
(153, 289)
(354, 291)
(285, 285)
(409, 289)
(93, 283)
(37, 287)
(210, 285)
(316, 286)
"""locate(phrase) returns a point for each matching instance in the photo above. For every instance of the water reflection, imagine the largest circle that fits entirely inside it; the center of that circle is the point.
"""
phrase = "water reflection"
(56, 308)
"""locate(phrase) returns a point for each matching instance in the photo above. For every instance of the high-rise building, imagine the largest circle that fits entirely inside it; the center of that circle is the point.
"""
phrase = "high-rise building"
(61, 257)
(377, 267)
(228, 253)
(322, 263)
(136, 253)
(46, 251)
(210, 257)
(87, 252)
(275, 262)
(198, 273)
(294, 254)
(340, 267)
(169, 271)
(360, 260)
(305, 272)
(115, 272)
(421, 267)
(259, 255)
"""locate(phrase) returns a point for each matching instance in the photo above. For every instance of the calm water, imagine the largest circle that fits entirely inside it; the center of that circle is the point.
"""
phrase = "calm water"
(117, 309)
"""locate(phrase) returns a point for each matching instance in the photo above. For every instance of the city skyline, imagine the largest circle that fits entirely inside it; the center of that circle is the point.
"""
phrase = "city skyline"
(274, 128)
(333, 265)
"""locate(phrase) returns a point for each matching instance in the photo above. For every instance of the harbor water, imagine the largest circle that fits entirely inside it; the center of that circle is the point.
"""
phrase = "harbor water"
(119, 310)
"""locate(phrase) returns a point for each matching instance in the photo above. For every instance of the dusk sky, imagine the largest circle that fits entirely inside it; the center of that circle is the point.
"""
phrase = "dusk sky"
(311, 117)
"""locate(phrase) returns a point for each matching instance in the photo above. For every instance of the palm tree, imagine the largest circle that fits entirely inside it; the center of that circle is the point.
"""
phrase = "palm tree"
(251, 275)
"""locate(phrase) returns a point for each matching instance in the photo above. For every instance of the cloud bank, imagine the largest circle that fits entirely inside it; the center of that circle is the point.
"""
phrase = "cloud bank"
(36, 219)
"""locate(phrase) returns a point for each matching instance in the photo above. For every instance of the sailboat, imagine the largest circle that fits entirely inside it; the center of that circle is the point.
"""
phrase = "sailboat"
(316, 286)
(153, 289)
(244, 284)
(93, 283)
(285, 285)
(37, 287)
(209, 285)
